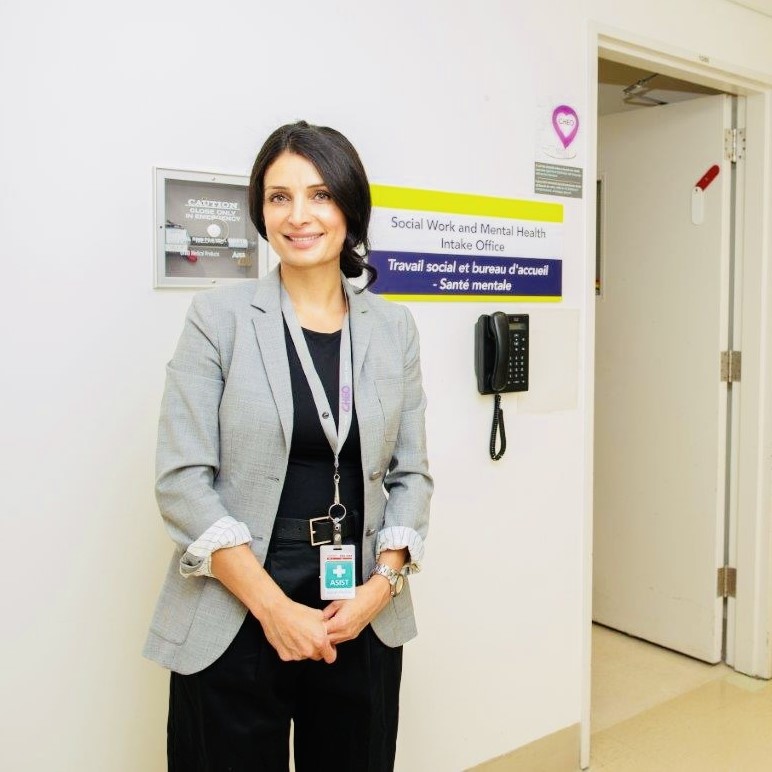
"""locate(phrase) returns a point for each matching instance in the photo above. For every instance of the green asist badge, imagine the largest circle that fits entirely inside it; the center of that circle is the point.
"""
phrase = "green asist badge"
(337, 571)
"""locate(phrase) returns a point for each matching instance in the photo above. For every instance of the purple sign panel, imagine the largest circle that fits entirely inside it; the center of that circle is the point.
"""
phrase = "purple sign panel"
(453, 275)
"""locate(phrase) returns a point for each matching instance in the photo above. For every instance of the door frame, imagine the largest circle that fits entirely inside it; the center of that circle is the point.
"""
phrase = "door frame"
(750, 529)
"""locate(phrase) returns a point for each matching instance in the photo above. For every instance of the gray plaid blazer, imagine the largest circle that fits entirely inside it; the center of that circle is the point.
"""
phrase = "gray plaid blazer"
(223, 447)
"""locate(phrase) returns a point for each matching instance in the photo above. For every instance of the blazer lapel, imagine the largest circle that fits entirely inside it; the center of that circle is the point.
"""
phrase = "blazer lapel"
(269, 328)
(361, 327)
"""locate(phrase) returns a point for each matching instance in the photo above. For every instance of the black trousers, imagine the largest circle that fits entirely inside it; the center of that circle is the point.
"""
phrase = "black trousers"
(235, 715)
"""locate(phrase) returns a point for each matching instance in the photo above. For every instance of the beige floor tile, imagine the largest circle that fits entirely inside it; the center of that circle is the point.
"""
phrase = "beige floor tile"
(630, 676)
(633, 762)
(745, 682)
(607, 750)
(722, 724)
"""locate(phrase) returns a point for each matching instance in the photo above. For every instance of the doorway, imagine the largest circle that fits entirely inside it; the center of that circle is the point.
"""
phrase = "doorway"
(662, 417)
(663, 463)
(748, 615)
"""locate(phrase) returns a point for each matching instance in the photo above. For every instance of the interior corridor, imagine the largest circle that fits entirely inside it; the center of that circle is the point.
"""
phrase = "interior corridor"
(657, 711)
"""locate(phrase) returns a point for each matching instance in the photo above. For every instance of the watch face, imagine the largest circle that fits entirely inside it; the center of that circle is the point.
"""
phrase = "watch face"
(398, 585)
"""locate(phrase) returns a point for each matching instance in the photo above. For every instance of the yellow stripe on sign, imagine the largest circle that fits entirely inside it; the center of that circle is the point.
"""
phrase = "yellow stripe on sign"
(391, 197)
(474, 298)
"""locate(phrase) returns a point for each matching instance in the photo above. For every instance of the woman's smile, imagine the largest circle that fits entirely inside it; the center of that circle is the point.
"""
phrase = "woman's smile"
(303, 241)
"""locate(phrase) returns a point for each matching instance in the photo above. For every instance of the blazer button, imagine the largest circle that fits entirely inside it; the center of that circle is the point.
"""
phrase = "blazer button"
(375, 475)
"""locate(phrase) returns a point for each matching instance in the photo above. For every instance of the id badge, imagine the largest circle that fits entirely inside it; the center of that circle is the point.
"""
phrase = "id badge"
(337, 571)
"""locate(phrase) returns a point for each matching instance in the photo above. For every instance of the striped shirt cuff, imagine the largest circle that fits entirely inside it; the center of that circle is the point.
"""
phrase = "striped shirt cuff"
(397, 537)
(226, 532)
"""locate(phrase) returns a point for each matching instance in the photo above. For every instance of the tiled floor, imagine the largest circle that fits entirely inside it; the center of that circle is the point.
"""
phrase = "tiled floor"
(656, 711)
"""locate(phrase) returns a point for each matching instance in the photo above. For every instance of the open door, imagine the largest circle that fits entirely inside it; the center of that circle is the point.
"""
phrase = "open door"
(660, 405)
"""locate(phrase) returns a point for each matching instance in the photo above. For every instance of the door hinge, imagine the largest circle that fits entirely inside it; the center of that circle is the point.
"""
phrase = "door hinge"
(734, 144)
(727, 582)
(731, 366)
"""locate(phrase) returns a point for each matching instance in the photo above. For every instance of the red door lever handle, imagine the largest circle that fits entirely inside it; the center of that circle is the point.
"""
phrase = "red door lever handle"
(708, 177)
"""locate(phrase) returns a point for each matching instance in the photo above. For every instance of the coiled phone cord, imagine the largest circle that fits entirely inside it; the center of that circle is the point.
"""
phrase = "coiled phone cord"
(498, 425)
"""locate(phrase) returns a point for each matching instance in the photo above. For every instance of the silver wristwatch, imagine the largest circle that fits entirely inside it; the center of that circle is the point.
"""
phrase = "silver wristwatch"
(396, 578)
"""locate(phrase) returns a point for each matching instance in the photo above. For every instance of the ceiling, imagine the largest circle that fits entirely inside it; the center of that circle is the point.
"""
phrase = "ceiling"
(613, 78)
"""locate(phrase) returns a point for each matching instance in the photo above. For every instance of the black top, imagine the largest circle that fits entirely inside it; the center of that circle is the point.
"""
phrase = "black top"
(309, 489)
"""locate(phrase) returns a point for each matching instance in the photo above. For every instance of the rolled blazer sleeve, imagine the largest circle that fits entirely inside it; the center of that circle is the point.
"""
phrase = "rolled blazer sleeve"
(407, 481)
(188, 452)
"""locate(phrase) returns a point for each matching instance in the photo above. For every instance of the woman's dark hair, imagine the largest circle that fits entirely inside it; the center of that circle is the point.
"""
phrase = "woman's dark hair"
(339, 165)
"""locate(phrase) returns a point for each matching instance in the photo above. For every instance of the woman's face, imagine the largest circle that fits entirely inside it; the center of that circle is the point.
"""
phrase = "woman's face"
(304, 225)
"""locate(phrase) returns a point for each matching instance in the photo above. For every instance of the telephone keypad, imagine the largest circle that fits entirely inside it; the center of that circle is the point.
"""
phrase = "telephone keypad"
(517, 379)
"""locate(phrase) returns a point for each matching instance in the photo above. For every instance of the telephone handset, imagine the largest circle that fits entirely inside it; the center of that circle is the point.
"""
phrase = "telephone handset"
(501, 363)
(501, 353)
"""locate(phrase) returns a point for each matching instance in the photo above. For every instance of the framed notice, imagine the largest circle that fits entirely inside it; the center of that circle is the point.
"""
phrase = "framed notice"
(203, 234)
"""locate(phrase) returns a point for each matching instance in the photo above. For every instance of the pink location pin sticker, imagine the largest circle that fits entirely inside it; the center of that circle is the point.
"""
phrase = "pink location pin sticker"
(565, 121)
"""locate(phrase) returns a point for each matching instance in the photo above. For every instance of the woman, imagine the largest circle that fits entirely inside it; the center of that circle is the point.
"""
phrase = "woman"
(292, 406)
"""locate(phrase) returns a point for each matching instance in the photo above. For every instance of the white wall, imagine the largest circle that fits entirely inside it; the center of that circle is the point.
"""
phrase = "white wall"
(434, 94)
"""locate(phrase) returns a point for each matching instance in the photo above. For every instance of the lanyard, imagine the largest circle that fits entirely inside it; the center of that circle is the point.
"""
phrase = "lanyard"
(336, 437)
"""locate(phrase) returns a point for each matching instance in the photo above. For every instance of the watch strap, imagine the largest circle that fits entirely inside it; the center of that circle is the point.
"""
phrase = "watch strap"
(391, 575)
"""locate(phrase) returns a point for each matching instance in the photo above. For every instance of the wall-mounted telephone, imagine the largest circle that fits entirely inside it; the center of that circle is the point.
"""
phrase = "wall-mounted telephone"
(501, 353)
(501, 363)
